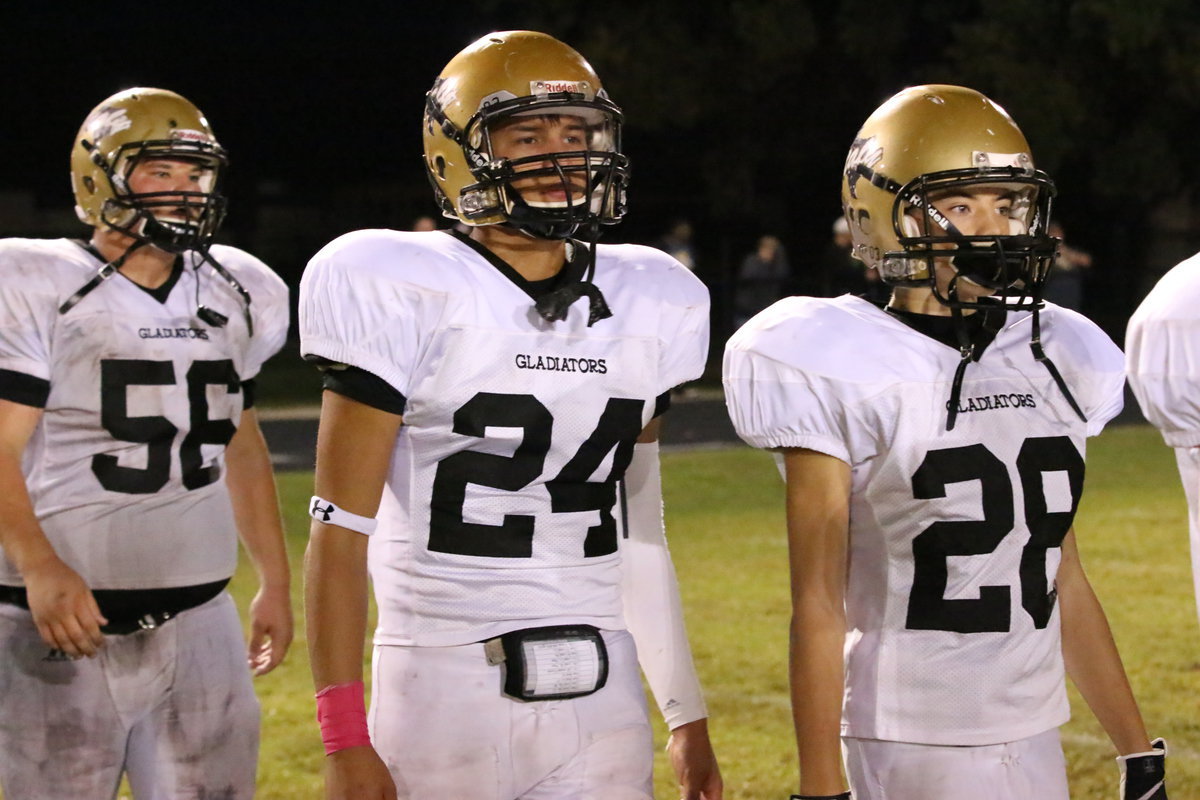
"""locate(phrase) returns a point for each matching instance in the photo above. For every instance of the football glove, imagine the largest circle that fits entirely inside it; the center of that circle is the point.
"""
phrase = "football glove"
(1143, 775)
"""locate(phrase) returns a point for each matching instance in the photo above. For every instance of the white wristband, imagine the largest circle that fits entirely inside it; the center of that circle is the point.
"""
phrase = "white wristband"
(323, 510)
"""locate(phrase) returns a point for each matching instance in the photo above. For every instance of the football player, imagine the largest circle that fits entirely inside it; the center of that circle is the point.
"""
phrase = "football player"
(1161, 353)
(130, 462)
(933, 452)
(487, 448)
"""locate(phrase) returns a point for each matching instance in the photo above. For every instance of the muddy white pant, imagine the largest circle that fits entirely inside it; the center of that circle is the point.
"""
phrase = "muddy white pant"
(172, 707)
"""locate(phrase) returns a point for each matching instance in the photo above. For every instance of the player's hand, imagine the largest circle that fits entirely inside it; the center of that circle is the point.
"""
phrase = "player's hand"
(63, 607)
(1143, 775)
(695, 764)
(357, 773)
(270, 628)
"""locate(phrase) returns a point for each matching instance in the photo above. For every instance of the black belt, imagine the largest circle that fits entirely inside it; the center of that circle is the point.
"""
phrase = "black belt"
(126, 609)
(146, 622)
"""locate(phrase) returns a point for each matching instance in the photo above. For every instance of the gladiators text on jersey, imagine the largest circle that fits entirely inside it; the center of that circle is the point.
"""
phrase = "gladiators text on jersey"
(991, 402)
(172, 333)
(597, 366)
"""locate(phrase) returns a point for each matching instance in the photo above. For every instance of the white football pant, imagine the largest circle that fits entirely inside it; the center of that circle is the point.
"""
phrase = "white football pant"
(439, 721)
(1188, 461)
(173, 707)
(1027, 769)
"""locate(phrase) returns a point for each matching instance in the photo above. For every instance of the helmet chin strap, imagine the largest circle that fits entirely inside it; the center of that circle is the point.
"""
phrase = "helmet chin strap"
(215, 318)
(104, 273)
(966, 349)
(554, 306)
(1039, 355)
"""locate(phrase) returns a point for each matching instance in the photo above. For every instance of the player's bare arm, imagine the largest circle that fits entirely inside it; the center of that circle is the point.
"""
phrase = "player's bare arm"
(354, 446)
(62, 604)
(655, 619)
(818, 518)
(1091, 656)
(256, 509)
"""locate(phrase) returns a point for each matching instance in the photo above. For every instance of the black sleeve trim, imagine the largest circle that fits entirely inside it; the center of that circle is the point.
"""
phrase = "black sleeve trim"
(24, 389)
(249, 393)
(662, 403)
(365, 387)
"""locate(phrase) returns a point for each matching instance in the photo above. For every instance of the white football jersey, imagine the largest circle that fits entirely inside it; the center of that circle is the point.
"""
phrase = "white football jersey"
(1162, 344)
(953, 626)
(1162, 347)
(126, 468)
(498, 511)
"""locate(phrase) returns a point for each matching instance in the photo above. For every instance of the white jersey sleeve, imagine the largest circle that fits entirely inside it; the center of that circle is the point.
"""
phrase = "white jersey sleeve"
(774, 399)
(270, 307)
(27, 312)
(683, 313)
(370, 299)
(1162, 344)
(1090, 362)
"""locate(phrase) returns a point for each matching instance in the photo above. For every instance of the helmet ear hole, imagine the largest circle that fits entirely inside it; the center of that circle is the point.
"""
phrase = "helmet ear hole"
(89, 184)
(439, 167)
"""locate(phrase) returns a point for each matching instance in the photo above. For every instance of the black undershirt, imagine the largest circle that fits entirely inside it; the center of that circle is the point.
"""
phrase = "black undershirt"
(981, 327)
(534, 289)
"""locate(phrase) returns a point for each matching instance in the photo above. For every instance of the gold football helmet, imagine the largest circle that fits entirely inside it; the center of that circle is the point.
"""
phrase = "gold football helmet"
(523, 73)
(138, 124)
(921, 144)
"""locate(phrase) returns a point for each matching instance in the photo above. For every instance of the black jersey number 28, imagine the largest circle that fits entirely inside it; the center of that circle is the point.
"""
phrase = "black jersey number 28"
(928, 609)
(574, 488)
(158, 433)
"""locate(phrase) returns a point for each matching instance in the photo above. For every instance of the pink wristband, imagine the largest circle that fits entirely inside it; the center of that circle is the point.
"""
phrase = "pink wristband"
(342, 714)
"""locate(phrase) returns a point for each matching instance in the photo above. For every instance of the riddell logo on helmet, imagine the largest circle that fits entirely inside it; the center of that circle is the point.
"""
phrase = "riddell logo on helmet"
(190, 135)
(554, 87)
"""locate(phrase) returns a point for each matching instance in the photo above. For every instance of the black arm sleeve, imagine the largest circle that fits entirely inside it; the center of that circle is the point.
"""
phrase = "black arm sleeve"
(662, 403)
(365, 387)
(249, 393)
(24, 389)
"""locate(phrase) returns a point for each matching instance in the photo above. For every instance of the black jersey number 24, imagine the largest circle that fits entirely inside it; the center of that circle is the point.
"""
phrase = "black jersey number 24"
(574, 488)
(928, 609)
(158, 433)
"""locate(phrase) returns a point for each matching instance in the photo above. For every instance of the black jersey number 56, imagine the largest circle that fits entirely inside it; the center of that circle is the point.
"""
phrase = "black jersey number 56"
(158, 433)
(928, 609)
(574, 488)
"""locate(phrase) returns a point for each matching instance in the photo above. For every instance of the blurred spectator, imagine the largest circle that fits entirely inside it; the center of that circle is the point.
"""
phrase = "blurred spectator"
(678, 242)
(1065, 285)
(424, 223)
(760, 279)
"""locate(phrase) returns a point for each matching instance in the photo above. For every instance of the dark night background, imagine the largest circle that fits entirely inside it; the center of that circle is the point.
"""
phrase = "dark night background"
(738, 114)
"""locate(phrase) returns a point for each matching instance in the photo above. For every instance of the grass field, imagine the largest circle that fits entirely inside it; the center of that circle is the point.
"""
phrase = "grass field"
(725, 523)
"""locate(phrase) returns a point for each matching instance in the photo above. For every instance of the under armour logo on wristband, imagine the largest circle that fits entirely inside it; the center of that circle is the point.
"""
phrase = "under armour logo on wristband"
(326, 512)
